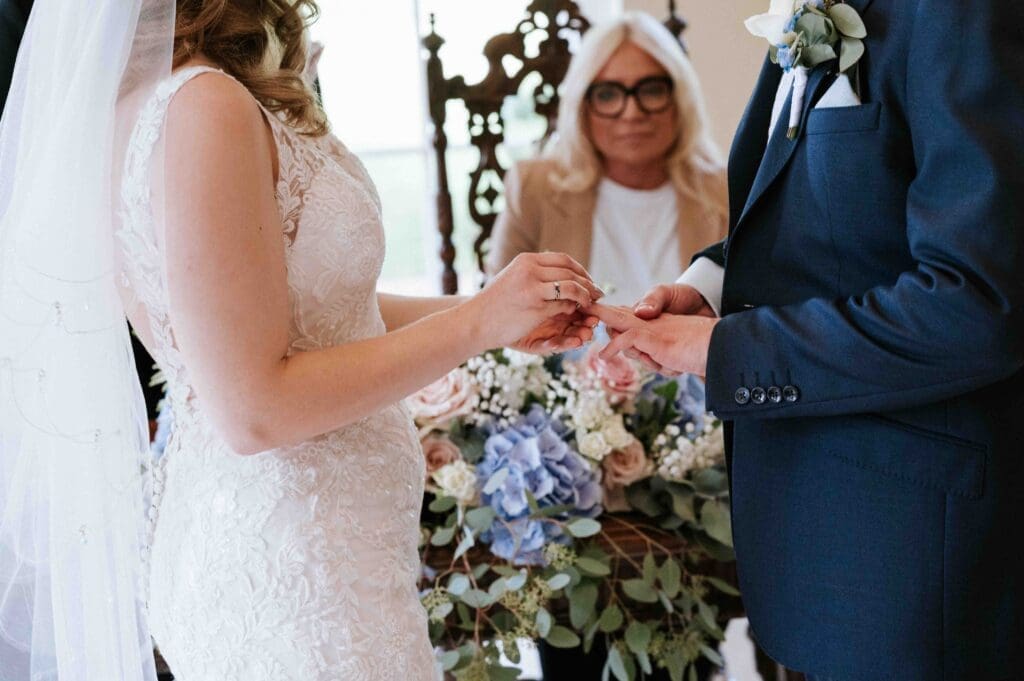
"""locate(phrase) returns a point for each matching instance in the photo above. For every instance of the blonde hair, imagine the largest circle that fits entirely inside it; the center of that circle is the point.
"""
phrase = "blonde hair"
(262, 44)
(694, 164)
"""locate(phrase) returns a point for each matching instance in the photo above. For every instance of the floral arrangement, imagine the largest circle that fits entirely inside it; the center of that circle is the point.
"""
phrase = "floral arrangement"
(805, 33)
(535, 469)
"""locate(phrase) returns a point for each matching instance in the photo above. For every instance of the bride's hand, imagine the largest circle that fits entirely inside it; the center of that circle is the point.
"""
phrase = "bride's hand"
(534, 304)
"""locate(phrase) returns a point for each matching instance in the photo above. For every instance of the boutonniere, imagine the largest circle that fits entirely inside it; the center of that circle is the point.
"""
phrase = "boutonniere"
(805, 33)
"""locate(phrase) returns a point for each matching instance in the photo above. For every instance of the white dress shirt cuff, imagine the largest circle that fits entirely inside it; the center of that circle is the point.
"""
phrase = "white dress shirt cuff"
(706, 276)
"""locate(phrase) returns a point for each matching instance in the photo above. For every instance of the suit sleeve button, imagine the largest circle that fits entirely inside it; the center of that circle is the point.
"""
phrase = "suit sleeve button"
(790, 393)
(758, 395)
(775, 394)
(742, 396)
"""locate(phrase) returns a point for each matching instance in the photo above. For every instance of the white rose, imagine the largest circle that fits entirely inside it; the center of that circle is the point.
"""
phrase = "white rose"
(458, 480)
(772, 26)
(594, 446)
(616, 434)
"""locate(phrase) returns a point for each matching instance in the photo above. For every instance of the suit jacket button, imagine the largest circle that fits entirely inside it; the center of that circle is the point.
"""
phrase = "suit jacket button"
(790, 393)
(758, 395)
(775, 394)
(742, 396)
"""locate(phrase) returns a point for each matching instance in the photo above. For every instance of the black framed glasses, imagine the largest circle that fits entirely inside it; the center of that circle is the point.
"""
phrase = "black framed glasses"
(608, 98)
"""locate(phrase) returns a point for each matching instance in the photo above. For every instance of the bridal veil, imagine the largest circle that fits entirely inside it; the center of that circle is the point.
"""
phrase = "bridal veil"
(73, 435)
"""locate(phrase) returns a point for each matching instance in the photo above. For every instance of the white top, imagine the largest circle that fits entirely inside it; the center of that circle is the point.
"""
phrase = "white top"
(636, 243)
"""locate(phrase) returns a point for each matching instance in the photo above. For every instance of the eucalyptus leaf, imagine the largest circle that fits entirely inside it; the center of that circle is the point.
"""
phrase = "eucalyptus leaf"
(675, 663)
(712, 481)
(707, 618)
(693, 673)
(716, 521)
(549, 511)
(443, 536)
(682, 503)
(582, 602)
(650, 569)
(850, 53)
(496, 481)
(442, 504)
(611, 619)
(640, 591)
(819, 54)
(666, 602)
(497, 588)
(588, 638)
(531, 501)
(641, 498)
(713, 655)
(496, 672)
(813, 27)
(722, 586)
(616, 665)
(592, 567)
(645, 662)
(543, 622)
(475, 598)
(481, 518)
(670, 576)
(847, 21)
(559, 581)
(443, 610)
(562, 637)
(516, 581)
(638, 637)
(465, 545)
(583, 527)
(480, 570)
(449, 659)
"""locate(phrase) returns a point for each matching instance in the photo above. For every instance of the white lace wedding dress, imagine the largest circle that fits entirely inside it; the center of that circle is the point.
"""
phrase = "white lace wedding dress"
(298, 563)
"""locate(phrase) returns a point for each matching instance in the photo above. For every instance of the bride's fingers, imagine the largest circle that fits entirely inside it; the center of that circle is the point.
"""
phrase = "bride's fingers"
(548, 259)
(557, 291)
(561, 274)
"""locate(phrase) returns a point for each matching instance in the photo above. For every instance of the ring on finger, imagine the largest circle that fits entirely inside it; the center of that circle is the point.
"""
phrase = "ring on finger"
(558, 290)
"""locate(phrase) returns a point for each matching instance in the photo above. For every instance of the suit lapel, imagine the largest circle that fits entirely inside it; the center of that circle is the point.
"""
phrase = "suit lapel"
(748, 146)
(752, 166)
(780, 147)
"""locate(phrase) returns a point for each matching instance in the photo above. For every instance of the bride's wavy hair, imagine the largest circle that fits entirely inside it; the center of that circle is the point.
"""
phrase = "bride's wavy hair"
(262, 43)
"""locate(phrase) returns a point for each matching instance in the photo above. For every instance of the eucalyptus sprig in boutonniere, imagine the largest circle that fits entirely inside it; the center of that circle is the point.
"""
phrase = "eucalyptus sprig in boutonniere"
(805, 33)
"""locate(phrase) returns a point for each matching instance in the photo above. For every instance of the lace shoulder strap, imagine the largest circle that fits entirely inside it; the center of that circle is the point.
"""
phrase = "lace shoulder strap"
(144, 274)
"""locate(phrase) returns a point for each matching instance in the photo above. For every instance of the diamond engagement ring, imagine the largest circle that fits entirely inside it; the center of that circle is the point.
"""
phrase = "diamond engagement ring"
(558, 290)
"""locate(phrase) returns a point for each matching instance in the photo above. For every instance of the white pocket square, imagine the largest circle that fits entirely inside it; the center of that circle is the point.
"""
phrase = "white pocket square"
(839, 95)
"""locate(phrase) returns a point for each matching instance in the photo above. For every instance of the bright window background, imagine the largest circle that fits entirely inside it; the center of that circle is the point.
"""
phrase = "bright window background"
(373, 82)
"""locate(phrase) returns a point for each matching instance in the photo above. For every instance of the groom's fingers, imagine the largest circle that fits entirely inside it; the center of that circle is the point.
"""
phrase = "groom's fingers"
(633, 338)
(653, 303)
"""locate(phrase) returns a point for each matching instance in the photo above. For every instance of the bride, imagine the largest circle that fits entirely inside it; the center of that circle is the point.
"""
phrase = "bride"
(281, 542)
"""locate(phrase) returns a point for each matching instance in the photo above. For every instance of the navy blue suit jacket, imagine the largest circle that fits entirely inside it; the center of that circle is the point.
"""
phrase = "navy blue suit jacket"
(869, 359)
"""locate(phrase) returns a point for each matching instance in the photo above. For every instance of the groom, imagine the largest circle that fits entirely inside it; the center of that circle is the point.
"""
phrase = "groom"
(869, 351)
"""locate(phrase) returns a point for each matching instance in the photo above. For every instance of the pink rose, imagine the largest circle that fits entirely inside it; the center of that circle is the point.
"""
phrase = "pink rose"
(439, 451)
(619, 376)
(447, 398)
(621, 468)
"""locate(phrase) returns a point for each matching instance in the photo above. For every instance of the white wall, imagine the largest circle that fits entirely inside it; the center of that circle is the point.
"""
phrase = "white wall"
(726, 56)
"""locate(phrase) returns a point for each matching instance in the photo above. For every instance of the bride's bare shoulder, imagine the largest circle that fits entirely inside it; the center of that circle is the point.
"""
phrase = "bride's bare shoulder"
(213, 98)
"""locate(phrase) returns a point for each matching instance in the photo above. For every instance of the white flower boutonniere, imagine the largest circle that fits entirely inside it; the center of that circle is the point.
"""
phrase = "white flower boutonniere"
(805, 33)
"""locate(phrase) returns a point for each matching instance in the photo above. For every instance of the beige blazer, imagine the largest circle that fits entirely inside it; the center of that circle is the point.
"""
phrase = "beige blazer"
(538, 217)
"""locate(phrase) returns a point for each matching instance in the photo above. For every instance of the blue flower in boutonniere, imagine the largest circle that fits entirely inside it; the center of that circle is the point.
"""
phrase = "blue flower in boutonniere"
(805, 33)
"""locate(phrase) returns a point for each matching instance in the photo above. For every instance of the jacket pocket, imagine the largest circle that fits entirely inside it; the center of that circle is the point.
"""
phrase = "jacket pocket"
(933, 460)
(844, 119)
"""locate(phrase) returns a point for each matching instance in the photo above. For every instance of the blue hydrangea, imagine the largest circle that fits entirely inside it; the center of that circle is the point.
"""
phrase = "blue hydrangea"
(786, 57)
(532, 454)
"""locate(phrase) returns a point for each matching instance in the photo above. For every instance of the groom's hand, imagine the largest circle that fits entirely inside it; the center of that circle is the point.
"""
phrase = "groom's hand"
(673, 299)
(671, 344)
